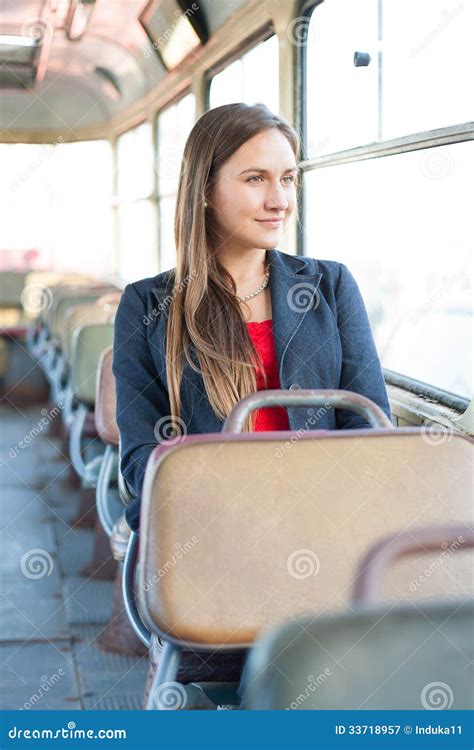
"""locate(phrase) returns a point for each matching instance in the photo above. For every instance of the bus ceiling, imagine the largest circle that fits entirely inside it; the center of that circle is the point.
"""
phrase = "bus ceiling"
(69, 64)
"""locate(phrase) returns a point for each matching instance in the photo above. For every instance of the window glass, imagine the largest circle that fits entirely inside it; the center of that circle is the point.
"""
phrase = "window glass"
(168, 250)
(418, 78)
(403, 226)
(252, 78)
(174, 125)
(137, 240)
(135, 162)
(55, 205)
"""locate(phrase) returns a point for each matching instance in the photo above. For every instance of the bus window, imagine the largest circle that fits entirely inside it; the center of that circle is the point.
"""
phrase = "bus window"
(137, 252)
(135, 163)
(250, 79)
(174, 124)
(382, 206)
(412, 263)
(418, 77)
(137, 240)
(53, 186)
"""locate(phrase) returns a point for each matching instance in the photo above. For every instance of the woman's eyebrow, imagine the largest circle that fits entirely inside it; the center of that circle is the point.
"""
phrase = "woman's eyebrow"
(265, 171)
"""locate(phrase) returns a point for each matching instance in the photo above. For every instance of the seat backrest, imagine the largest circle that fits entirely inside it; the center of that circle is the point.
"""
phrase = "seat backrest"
(105, 403)
(51, 294)
(88, 344)
(40, 286)
(406, 658)
(87, 294)
(380, 658)
(100, 310)
(271, 525)
(11, 288)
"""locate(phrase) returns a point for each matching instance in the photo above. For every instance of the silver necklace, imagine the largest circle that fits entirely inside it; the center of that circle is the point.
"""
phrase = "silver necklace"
(257, 291)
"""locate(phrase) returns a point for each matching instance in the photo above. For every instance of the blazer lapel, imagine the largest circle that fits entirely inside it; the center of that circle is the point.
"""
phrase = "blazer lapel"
(293, 294)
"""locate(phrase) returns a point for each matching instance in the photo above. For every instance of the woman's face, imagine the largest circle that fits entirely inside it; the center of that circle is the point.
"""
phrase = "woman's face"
(255, 192)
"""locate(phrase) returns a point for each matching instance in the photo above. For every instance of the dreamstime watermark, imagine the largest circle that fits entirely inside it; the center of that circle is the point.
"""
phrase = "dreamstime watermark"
(433, 433)
(437, 696)
(437, 295)
(166, 36)
(302, 30)
(36, 563)
(302, 297)
(39, 29)
(46, 419)
(310, 422)
(36, 298)
(169, 163)
(436, 163)
(170, 696)
(169, 429)
(46, 684)
(436, 564)
(303, 563)
(447, 17)
(147, 319)
(70, 732)
(180, 551)
(312, 685)
(320, 146)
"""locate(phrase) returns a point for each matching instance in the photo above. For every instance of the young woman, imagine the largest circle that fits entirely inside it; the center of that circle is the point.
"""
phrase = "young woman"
(236, 315)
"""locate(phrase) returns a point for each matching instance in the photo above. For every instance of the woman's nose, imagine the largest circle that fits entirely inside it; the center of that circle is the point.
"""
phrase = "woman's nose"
(276, 198)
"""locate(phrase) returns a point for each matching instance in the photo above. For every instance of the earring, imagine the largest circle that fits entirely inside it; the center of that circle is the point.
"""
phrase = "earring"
(206, 204)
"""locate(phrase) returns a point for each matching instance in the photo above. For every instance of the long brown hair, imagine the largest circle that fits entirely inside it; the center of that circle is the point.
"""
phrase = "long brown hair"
(204, 311)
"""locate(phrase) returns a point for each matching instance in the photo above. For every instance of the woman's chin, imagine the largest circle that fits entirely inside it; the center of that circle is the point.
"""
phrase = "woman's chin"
(267, 238)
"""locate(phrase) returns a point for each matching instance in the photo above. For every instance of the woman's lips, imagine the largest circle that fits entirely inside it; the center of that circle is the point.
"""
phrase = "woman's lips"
(273, 223)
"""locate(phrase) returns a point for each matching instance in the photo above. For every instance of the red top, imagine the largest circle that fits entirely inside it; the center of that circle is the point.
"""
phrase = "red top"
(275, 417)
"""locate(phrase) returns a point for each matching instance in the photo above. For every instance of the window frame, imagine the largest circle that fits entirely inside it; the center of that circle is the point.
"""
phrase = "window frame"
(261, 35)
(418, 141)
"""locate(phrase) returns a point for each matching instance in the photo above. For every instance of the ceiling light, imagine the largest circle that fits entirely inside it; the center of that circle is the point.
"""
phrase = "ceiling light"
(181, 42)
(18, 41)
(175, 28)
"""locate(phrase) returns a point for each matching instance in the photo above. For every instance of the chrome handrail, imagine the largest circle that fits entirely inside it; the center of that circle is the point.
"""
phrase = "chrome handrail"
(128, 590)
(107, 466)
(75, 439)
(306, 398)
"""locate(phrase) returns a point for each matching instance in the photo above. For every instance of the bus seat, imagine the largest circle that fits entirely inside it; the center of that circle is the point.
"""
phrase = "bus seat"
(328, 498)
(54, 316)
(372, 660)
(374, 657)
(79, 296)
(38, 296)
(100, 310)
(12, 319)
(276, 532)
(88, 344)
(12, 284)
(105, 400)
(108, 508)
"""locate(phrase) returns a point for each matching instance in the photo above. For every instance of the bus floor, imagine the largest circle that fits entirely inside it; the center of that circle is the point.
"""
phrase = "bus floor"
(51, 616)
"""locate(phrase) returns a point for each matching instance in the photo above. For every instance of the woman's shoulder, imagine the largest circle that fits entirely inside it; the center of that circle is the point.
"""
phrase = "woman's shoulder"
(307, 265)
(153, 285)
(335, 280)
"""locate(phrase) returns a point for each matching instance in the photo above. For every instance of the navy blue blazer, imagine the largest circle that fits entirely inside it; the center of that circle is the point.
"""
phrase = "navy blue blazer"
(322, 336)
